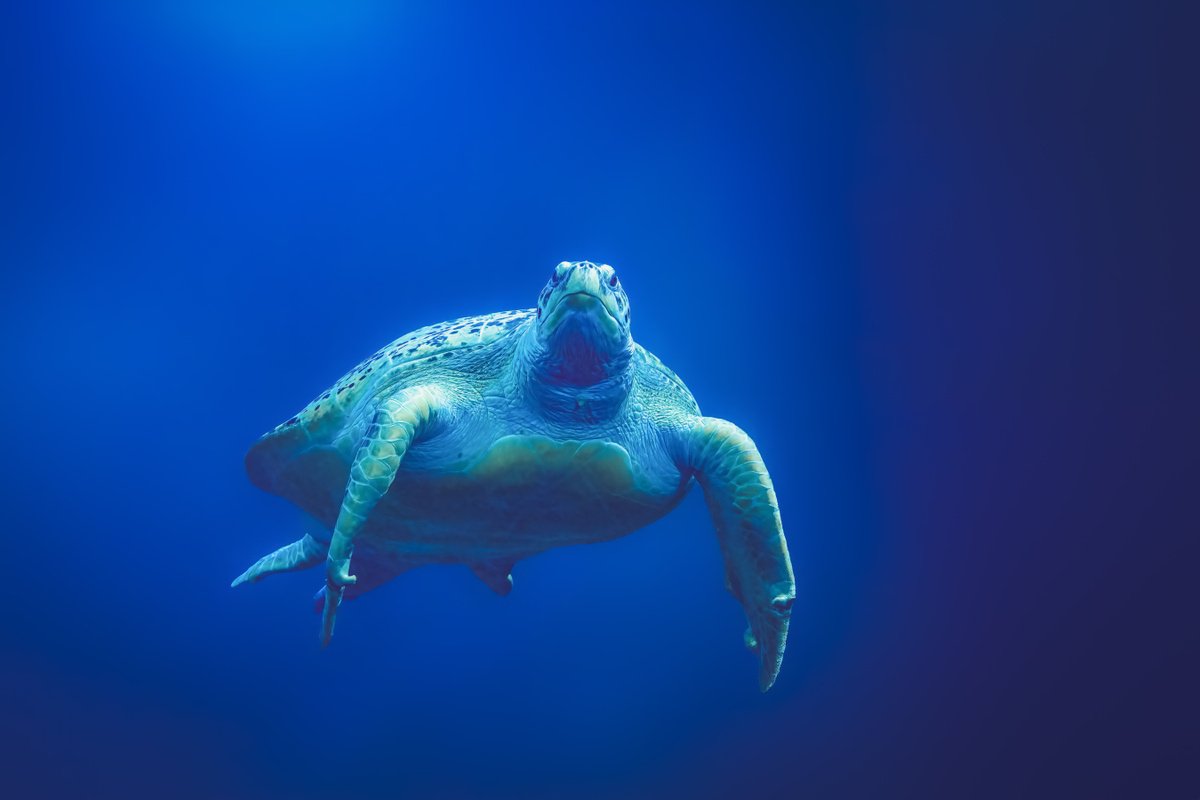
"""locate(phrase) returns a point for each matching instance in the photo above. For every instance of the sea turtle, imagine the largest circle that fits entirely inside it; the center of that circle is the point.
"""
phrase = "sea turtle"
(489, 439)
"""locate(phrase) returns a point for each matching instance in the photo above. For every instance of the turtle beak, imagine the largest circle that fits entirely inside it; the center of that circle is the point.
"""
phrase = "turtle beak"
(583, 292)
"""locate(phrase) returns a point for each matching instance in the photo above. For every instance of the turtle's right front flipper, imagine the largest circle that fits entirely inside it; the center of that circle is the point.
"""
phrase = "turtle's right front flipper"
(398, 423)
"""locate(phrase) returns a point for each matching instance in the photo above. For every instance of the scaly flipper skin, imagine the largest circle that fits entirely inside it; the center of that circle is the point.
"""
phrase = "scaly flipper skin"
(397, 424)
(302, 554)
(745, 512)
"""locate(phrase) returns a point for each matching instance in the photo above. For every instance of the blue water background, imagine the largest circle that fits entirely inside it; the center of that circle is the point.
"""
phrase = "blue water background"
(893, 242)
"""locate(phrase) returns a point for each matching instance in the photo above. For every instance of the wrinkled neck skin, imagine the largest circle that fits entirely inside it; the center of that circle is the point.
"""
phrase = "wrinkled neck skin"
(576, 374)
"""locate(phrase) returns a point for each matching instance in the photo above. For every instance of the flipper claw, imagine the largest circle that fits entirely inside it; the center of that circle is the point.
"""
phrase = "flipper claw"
(339, 572)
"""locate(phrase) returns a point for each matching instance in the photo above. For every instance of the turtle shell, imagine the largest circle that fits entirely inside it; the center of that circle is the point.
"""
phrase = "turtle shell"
(322, 420)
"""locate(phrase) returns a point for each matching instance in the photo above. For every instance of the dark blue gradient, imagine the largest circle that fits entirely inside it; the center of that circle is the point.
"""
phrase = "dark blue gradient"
(924, 253)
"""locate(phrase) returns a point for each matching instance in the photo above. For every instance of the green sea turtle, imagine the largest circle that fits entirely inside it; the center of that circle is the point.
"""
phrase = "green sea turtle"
(489, 439)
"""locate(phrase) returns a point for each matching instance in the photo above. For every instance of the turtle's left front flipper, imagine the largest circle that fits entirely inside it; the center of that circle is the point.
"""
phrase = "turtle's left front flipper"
(397, 424)
(742, 502)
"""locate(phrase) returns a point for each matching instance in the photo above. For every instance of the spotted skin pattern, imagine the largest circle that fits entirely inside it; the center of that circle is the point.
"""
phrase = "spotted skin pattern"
(489, 439)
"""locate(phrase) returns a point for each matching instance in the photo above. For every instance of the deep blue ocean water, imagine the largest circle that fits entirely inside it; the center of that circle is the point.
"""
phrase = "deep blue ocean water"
(921, 253)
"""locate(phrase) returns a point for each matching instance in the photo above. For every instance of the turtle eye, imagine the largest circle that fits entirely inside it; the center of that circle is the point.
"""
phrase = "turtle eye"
(612, 280)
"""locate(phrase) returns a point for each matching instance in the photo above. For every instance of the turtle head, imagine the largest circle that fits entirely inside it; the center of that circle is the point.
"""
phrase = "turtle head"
(583, 323)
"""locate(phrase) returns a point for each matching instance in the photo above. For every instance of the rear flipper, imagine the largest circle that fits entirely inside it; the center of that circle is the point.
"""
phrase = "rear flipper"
(497, 574)
(302, 554)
